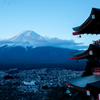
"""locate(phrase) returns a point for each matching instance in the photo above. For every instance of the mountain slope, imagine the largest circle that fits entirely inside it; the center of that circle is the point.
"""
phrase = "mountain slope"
(31, 49)
(39, 54)
(19, 56)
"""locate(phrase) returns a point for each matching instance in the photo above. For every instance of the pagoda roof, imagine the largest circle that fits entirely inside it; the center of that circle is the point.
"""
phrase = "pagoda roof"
(86, 83)
(95, 86)
(93, 50)
(91, 25)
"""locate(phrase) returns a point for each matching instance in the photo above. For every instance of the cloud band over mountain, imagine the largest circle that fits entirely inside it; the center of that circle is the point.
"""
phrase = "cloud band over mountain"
(30, 38)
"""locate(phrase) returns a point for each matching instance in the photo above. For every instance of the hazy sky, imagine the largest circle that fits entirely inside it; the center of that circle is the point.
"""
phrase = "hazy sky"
(51, 18)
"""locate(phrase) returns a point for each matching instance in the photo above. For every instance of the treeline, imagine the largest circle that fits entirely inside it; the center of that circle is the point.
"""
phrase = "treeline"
(41, 65)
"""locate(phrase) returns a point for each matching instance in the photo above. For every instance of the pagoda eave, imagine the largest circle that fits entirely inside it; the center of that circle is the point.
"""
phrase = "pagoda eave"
(91, 25)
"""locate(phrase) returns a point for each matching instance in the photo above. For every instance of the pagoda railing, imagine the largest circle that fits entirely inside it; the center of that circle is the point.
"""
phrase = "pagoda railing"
(96, 71)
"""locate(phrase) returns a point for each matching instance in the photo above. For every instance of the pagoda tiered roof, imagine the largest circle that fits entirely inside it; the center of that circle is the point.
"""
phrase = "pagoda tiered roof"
(91, 25)
(84, 82)
(90, 84)
(92, 51)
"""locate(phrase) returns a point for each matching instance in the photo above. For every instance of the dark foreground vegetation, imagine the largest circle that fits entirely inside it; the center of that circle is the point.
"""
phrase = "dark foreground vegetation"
(9, 91)
(59, 93)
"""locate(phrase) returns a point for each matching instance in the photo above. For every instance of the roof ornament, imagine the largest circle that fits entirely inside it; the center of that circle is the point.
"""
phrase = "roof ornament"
(93, 16)
(90, 52)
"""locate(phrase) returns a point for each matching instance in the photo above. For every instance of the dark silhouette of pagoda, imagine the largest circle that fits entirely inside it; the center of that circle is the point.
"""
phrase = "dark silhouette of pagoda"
(90, 80)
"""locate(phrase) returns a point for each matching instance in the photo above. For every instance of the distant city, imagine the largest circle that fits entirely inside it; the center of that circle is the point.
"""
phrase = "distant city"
(36, 81)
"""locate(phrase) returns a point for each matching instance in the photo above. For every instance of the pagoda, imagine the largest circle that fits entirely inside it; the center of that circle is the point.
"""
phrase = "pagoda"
(90, 81)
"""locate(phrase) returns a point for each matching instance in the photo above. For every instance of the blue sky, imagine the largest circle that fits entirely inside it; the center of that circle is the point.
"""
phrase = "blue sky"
(51, 18)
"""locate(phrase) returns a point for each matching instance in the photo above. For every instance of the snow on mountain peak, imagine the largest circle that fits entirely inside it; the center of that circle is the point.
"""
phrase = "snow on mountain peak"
(25, 36)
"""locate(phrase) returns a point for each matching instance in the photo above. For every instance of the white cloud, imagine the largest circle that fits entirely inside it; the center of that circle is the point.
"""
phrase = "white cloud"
(55, 42)
(64, 43)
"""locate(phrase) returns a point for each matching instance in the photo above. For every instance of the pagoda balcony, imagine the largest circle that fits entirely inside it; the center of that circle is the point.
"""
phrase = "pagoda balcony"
(96, 71)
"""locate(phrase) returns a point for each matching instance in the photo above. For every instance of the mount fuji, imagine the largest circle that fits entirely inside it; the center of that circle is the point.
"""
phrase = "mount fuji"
(29, 49)
(26, 38)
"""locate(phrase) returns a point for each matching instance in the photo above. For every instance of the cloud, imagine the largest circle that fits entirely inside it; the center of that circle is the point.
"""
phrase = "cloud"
(65, 43)
(5, 42)
(56, 42)
(41, 41)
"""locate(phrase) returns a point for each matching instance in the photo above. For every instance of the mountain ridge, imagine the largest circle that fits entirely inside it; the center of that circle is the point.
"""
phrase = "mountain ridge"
(19, 56)
(31, 49)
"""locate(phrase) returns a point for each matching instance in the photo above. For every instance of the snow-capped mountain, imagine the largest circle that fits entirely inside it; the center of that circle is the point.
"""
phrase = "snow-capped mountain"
(30, 38)
(29, 48)
(26, 38)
